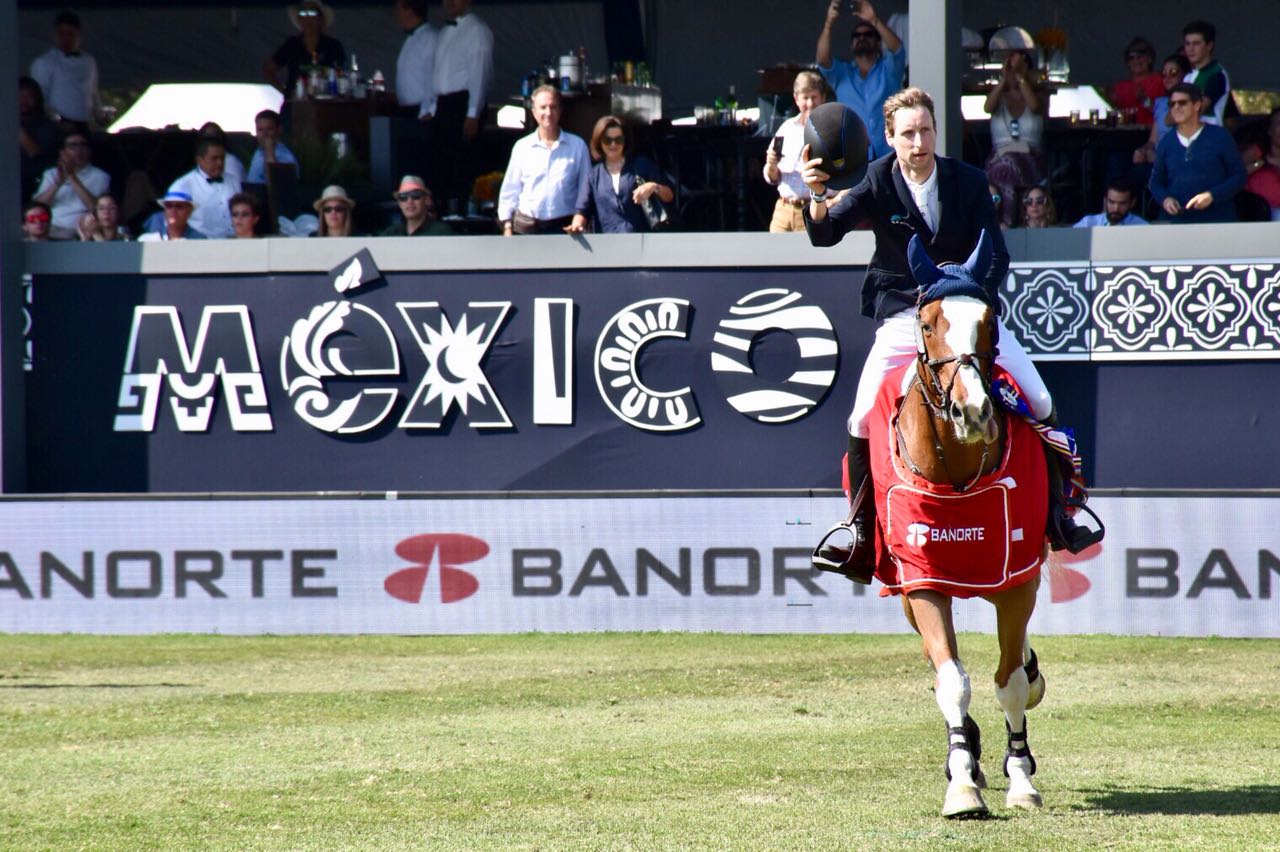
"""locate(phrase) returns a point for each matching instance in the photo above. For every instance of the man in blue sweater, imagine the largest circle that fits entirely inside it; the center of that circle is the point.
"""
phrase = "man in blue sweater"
(1198, 169)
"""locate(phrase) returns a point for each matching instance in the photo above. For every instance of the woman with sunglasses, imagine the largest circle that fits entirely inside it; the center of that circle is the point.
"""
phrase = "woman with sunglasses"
(1198, 168)
(1139, 91)
(1017, 109)
(1038, 209)
(334, 208)
(310, 47)
(620, 186)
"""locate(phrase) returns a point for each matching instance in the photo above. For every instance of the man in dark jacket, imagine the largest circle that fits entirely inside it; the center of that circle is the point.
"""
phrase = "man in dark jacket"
(947, 203)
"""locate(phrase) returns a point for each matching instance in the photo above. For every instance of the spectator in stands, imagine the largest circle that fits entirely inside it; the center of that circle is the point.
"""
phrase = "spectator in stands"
(1172, 70)
(1206, 72)
(621, 185)
(1198, 169)
(71, 187)
(782, 166)
(38, 137)
(36, 217)
(233, 167)
(210, 189)
(309, 47)
(103, 224)
(1117, 208)
(546, 176)
(1143, 85)
(872, 76)
(457, 104)
(415, 66)
(246, 216)
(68, 76)
(1017, 109)
(1262, 165)
(174, 224)
(1038, 209)
(334, 208)
(418, 207)
(270, 150)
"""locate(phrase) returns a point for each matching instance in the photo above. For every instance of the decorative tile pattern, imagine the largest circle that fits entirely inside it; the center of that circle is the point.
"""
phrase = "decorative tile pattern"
(1145, 311)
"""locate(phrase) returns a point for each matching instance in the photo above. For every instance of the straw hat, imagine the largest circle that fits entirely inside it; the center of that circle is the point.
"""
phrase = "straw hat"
(323, 8)
(333, 193)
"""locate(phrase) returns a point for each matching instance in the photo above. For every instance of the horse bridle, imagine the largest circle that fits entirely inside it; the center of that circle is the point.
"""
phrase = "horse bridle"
(938, 410)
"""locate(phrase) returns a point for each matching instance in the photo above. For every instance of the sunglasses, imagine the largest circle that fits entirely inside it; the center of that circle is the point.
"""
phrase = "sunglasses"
(335, 208)
(37, 218)
(612, 140)
(1180, 103)
(308, 13)
(1034, 201)
(413, 195)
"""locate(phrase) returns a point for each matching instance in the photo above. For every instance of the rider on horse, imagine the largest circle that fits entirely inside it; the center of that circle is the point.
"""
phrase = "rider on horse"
(945, 202)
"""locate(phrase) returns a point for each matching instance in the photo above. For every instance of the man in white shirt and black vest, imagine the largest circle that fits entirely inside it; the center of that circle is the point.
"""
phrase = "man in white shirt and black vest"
(460, 83)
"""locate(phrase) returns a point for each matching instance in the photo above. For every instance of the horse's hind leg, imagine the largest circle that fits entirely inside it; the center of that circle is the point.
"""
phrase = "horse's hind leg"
(931, 613)
(1013, 611)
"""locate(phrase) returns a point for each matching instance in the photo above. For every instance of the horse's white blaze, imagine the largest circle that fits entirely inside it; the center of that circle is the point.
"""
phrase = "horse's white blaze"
(964, 319)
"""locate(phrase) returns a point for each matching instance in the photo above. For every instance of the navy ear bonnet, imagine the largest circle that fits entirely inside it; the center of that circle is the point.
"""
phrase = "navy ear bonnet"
(951, 279)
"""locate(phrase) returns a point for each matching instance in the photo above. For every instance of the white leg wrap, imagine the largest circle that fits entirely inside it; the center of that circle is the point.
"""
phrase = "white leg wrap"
(1013, 699)
(953, 692)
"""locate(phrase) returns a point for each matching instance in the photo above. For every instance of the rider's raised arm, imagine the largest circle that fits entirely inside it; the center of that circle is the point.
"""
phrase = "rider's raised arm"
(842, 216)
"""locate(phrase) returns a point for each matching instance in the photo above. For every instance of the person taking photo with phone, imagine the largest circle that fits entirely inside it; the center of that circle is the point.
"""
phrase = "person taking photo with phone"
(782, 164)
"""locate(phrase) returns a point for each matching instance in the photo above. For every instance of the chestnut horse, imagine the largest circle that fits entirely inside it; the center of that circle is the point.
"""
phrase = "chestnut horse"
(948, 441)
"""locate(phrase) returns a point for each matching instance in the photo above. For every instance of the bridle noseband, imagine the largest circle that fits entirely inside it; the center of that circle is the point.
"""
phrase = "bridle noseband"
(937, 397)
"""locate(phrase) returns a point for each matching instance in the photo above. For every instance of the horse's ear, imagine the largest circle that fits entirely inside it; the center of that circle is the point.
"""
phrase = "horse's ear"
(979, 263)
(926, 272)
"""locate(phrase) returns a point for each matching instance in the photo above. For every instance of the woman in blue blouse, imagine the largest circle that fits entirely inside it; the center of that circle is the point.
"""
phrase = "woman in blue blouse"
(619, 185)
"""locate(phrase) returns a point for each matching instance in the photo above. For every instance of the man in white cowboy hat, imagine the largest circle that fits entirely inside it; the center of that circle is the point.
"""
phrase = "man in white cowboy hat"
(178, 207)
(210, 188)
(309, 47)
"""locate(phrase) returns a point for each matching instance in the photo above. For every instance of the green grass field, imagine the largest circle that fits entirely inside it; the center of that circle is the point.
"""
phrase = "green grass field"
(619, 741)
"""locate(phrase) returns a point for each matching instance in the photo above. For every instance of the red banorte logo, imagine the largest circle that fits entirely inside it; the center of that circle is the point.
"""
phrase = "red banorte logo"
(443, 552)
(1067, 584)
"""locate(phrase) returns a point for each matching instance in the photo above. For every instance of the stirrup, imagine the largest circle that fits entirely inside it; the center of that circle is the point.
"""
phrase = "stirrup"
(853, 561)
(1023, 750)
(1065, 534)
(973, 744)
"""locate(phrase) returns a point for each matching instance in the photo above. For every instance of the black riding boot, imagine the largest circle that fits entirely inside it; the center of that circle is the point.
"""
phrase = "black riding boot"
(855, 560)
(1063, 532)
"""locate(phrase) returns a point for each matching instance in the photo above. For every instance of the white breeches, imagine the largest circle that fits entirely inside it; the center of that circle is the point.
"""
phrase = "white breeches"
(895, 345)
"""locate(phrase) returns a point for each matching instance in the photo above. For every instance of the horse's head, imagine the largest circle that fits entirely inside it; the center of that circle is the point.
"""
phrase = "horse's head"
(956, 337)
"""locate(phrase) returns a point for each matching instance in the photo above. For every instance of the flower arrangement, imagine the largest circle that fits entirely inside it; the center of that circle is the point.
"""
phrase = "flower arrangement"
(485, 189)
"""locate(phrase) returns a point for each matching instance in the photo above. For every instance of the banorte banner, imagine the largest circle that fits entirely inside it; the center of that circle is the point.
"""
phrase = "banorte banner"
(1177, 566)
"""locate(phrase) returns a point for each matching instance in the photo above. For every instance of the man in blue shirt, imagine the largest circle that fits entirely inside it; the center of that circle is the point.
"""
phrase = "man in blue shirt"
(1198, 168)
(1117, 208)
(270, 149)
(865, 83)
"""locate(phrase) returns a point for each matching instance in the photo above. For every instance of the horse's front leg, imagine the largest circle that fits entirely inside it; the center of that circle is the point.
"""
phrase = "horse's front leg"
(1013, 611)
(930, 614)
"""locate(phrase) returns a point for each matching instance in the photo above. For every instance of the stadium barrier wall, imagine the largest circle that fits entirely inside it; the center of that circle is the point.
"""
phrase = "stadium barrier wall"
(676, 361)
(1171, 565)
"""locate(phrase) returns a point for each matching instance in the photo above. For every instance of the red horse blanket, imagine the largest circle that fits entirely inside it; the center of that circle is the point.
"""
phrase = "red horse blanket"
(964, 544)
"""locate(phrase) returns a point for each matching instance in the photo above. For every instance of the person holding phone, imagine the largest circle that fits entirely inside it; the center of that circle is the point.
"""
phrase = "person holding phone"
(874, 73)
(782, 164)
